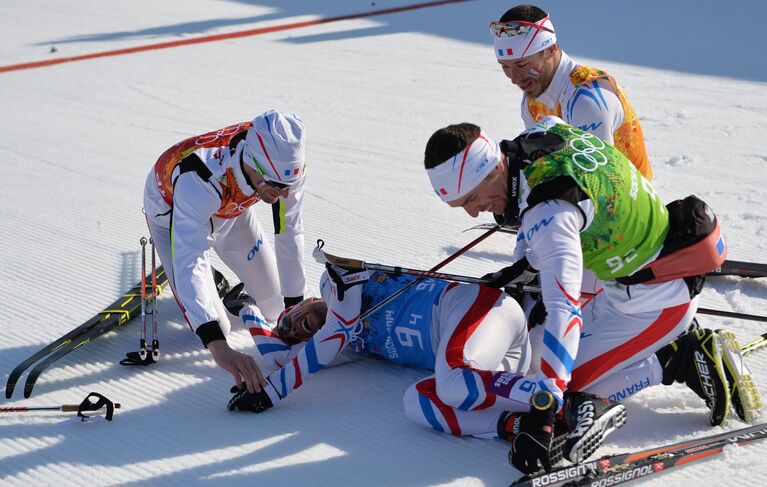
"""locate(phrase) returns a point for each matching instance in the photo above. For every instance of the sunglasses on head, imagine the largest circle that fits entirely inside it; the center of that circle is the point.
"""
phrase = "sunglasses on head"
(515, 28)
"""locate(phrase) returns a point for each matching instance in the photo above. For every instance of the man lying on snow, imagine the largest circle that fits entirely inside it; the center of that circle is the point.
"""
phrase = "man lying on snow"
(473, 337)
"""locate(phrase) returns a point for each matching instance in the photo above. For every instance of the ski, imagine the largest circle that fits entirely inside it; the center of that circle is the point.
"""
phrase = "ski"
(625, 467)
(729, 267)
(757, 343)
(125, 308)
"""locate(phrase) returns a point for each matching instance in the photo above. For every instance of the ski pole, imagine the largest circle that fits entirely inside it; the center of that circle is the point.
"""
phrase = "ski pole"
(732, 314)
(703, 311)
(155, 339)
(421, 273)
(66, 408)
(737, 268)
(319, 255)
(526, 288)
(143, 357)
(142, 352)
(92, 402)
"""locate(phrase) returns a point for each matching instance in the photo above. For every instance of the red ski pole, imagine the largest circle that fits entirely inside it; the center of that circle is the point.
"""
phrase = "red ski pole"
(339, 261)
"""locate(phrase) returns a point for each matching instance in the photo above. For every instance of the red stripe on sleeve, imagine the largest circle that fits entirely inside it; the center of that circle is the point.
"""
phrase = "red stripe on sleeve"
(298, 373)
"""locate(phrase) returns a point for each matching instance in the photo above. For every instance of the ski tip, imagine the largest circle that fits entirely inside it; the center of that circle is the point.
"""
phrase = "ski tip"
(9, 390)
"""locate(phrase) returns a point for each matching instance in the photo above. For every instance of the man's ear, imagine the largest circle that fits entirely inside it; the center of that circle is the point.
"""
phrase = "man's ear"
(551, 51)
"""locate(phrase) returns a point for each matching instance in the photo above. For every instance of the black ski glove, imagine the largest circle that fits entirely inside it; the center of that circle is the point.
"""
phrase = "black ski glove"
(256, 402)
(292, 300)
(519, 273)
(537, 313)
(222, 285)
(531, 448)
(236, 299)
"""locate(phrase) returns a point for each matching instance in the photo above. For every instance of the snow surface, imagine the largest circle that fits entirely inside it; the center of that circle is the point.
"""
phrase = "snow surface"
(78, 139)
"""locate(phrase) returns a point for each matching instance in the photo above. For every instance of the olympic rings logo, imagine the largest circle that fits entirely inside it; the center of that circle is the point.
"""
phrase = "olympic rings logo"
(588, 151)
(211, 137)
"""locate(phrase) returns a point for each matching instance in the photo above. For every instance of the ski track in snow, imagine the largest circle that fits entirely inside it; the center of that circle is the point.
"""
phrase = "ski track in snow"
(79, 139)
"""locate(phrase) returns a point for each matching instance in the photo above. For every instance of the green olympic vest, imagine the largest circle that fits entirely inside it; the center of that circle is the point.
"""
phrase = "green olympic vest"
(630, 220)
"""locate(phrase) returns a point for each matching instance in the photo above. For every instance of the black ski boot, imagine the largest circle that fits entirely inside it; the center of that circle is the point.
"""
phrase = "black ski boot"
(589, 419)
(695, 358)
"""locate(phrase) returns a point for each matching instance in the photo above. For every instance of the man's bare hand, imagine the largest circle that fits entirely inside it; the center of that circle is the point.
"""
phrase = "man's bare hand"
(243, 367)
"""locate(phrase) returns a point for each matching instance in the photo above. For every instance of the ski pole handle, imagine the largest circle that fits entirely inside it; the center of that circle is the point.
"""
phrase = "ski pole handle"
(322, 257)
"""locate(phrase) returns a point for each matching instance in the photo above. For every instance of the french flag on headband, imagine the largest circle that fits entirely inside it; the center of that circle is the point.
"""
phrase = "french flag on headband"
(508, 52)
(294, 172)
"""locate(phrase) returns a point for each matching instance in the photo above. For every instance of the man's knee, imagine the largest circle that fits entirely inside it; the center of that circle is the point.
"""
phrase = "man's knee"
(411, 402)
(459, 388)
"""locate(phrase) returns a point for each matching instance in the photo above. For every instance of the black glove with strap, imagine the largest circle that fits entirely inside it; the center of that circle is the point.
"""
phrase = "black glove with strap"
(254, 402)
(236, 299)
(531, 448)
(519, 273)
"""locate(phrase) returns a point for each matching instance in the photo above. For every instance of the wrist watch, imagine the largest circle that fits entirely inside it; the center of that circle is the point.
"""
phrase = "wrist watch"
(542, 400)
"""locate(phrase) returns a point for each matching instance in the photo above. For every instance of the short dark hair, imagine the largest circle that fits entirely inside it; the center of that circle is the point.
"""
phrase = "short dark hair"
(449, 141)
(527, 13)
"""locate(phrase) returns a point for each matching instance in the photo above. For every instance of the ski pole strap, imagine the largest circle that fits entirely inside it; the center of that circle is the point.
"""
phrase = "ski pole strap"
(100, 401)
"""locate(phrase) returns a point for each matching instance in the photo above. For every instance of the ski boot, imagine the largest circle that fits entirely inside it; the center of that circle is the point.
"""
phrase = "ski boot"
(695, 358)
(589, 420)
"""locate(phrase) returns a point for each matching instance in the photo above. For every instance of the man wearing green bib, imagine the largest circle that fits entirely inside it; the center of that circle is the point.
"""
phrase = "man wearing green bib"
(580, 203)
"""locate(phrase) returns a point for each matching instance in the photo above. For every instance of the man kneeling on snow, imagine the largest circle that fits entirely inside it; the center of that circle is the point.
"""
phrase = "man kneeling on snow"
(583, 210)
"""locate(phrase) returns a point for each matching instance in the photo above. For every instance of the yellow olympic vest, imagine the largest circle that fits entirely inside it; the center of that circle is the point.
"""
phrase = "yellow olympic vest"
(233, 201)
(627, 138)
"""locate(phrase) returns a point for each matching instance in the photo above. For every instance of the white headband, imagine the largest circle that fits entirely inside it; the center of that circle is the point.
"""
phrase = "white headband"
(517, 39)
(463, 172)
